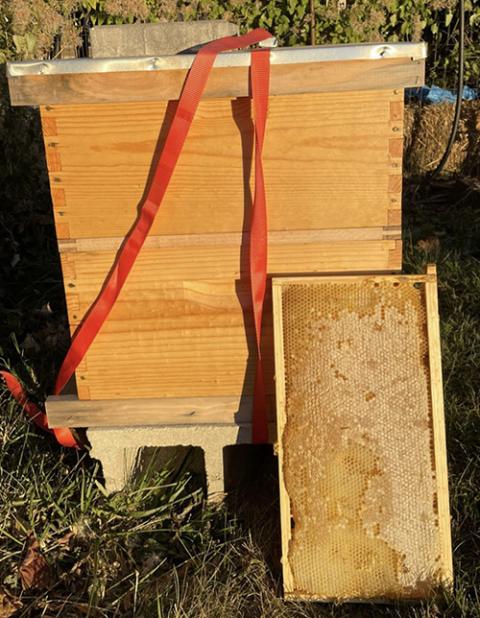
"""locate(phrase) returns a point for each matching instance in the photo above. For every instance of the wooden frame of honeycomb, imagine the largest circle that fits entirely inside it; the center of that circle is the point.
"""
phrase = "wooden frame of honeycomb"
(361, 437)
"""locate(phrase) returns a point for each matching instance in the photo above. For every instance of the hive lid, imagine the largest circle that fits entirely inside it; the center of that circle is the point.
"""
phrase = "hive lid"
(295, 70)
(279, 55)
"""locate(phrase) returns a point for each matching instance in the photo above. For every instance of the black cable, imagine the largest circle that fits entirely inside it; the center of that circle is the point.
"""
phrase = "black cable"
(458, 103)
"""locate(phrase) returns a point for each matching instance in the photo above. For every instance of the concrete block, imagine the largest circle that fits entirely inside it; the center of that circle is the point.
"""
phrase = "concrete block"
(155, 39)
(118, 449)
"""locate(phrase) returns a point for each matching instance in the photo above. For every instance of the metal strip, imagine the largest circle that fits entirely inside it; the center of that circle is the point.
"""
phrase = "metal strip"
(279, 55)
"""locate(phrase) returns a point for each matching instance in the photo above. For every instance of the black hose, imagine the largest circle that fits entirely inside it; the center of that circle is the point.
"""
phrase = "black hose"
(458, 103)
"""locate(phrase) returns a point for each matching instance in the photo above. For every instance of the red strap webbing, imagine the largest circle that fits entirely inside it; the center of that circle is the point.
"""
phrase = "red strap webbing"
(260, 76)
(63, 434)
(184, 114)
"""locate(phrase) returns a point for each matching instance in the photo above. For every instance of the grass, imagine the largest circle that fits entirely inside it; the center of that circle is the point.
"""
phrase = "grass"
(156, 550)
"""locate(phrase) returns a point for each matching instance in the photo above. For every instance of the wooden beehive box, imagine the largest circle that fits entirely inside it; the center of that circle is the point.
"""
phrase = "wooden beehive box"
(181, 334)
(362, 459)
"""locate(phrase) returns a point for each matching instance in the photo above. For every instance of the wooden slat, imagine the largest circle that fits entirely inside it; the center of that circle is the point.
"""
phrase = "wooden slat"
(440, 444)
(395, 156)
(223, 82)
(69, 411)
(327, 164)
(177, 264)
(280, 406)
(295, 237)
(361, 436)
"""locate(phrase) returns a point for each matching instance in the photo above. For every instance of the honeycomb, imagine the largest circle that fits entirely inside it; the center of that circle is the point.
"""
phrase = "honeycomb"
(358, 459)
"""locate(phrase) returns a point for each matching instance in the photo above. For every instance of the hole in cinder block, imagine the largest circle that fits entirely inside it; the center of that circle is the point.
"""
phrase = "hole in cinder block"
(177, 460)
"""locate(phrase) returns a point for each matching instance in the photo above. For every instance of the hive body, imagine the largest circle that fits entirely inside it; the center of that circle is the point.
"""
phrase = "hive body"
(182, 326)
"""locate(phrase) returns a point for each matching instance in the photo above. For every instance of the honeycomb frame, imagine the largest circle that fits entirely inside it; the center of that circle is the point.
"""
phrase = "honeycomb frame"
(364, 502)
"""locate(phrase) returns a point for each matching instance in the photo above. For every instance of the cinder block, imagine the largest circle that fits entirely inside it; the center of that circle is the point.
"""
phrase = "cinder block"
(118, 449)
(155, 39)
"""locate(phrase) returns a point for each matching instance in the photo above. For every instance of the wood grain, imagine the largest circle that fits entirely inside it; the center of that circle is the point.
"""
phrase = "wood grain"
(440, 444)
(69, 411)
(84, 273)
(395, 154)
(182, 325)
(327, 164)
(223, 82)
(280, 407)
(295, 237)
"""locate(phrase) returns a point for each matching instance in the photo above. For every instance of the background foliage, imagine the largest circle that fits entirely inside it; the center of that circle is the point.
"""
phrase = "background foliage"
(49, 28)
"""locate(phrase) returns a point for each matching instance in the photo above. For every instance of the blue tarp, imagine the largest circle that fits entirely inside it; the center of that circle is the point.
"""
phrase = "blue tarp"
(435, 94)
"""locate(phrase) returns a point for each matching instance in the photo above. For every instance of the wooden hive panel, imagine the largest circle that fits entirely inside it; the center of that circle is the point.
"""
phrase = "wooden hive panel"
(363, 477)
(182, 324)
(332, 160)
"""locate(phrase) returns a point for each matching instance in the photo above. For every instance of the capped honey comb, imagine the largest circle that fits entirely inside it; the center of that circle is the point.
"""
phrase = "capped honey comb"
(363, 478)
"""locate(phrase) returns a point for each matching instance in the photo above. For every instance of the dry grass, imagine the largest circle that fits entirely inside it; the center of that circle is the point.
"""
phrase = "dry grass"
(427, 128)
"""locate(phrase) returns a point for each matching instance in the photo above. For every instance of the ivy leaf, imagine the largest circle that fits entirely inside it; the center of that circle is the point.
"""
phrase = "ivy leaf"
(292, 5)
